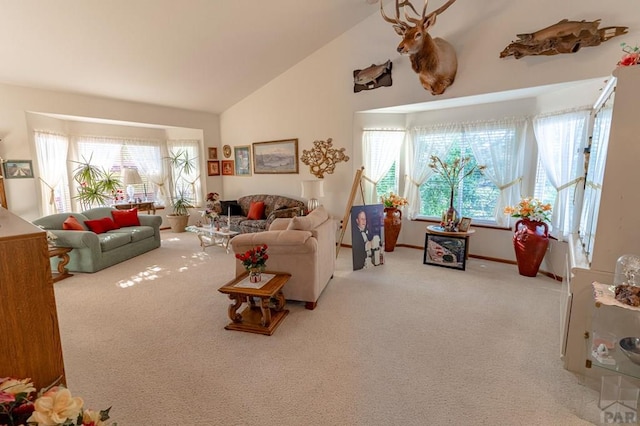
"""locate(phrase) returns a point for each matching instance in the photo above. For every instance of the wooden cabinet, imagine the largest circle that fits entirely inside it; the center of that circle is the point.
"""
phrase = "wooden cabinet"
(29, 335)
(616, 231)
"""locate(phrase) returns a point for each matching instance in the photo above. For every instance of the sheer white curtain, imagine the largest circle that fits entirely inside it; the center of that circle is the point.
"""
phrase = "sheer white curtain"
(147, 156)
(190, 180)
(380, 149)
(561, 138)
(422, 143)
(498, 145)
(51, 152)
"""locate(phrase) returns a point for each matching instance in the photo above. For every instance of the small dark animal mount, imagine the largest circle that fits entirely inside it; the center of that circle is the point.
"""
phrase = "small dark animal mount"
(433, 59)
(372, 77)
(564, 37)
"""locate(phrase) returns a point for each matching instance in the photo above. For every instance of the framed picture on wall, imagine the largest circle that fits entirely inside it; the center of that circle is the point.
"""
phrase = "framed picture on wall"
(213, 168)
(18, 169)
(227, 167)
(213, 153)
(242, 157)
(464, 224)
(446, 251)
(275, 157)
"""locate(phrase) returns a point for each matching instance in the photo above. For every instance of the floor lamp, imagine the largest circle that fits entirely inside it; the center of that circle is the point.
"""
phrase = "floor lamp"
(312, 190)
(130, 177)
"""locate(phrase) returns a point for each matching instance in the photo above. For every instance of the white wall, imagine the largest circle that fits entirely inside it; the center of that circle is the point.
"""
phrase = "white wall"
(17, 139)
(315, 99)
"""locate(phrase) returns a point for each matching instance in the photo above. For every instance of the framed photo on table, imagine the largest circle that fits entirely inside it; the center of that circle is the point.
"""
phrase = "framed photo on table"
(18, 169)
(464, 224)
(445, 251)
(213, 168)
(242, 157)
(275, 157)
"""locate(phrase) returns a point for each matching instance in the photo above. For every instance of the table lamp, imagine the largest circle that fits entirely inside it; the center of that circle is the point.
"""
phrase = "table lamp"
(130, 177)
(312, 189)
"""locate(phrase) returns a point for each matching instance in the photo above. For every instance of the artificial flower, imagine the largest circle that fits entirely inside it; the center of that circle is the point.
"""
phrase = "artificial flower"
(393, 200)
(55, 407)
(530, 208)
(631, 55)
(15, 386)
(254, 258)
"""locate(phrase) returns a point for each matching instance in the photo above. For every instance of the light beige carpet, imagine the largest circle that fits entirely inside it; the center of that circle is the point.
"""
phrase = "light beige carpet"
(399, 344)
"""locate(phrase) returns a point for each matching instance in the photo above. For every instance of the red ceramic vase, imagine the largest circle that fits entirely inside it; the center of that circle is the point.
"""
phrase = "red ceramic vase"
(530, 242)
(392, 226)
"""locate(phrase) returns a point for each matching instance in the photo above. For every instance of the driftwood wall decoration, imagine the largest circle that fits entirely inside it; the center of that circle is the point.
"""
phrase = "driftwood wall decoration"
(372, 77)
(564, 37)
(323, 158)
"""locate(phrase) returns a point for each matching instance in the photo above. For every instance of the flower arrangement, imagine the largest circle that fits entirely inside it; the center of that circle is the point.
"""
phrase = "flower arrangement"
(454, 172)
(530, 208)
(393, 201)
(256, 258)
(209, 214)
(53, 406)
(631, 55)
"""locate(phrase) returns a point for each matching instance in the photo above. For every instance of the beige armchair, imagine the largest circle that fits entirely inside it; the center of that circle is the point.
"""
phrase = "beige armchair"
(303, 246)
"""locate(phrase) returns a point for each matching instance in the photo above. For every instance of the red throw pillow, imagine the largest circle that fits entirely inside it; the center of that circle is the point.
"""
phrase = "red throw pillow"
(72, 224)
(124, 218)
(256, 210)
(100, 226)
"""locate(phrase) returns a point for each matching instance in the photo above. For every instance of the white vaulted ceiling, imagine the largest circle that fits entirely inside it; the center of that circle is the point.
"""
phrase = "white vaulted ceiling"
(201, 55)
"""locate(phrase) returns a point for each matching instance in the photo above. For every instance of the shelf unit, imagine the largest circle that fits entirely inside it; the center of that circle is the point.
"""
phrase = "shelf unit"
(616, 234)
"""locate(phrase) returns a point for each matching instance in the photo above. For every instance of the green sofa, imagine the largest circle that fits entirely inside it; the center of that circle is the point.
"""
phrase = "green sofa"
(93, 252)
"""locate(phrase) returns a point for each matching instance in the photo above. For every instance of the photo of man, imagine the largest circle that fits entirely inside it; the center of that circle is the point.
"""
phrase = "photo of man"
(367, 226)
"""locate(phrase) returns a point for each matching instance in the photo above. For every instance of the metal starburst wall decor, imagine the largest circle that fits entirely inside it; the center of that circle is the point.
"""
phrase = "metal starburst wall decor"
(323, 158)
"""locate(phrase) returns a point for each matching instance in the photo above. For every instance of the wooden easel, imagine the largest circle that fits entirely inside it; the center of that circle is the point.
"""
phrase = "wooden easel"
(357, 183)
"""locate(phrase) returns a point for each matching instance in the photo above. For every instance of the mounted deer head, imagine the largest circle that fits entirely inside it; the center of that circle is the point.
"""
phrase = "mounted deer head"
(434, 59)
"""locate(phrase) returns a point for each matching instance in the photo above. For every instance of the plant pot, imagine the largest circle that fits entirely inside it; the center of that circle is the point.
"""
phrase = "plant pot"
(530, 242)
(178, 223)
(392, 226)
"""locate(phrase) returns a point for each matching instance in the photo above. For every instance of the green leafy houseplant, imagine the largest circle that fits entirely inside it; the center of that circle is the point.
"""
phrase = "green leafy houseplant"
(95, 186)
(181, 165)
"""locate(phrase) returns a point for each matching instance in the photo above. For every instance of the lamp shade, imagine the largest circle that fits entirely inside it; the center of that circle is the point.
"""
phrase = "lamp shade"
(130, 176)
(312, 189)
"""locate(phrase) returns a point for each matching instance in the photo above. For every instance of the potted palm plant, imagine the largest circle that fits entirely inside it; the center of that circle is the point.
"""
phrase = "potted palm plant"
(181, 165)
(96, 187)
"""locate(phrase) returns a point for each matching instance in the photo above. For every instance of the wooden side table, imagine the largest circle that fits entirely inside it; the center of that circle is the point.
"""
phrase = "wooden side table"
(435, 247)
(148, 206)
(63, 254)
(257, 318)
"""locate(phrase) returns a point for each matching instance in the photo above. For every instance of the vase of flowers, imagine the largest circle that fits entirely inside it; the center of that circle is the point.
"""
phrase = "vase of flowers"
(453, 174)
(254, 261)
(531, 236)
(393, 219)
(631, 55)
(52, 406)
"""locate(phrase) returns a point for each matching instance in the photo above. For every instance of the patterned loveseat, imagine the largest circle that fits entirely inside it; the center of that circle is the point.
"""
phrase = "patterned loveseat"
(275, 206)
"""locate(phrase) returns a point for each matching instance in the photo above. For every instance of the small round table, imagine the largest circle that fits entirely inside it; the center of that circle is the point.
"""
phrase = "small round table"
(438, 230)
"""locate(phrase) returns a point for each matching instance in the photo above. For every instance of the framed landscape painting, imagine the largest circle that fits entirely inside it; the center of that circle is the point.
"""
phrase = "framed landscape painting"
(18, 169)
(242, 157)
(275, 156)
(445, 251)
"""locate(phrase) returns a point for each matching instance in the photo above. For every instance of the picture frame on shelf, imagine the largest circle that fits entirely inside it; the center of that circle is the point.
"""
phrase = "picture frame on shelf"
(445, 251)
(464, 224)
(213, 153)
(227, 168)
(18, 169)
(275, 157)
(213, 168)
(242, 157)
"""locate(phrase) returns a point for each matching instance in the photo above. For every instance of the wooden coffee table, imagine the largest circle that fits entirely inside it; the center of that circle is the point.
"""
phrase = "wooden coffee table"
(262, 318)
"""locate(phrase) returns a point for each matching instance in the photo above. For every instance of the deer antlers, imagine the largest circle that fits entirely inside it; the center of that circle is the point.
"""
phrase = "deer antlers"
(406, 3)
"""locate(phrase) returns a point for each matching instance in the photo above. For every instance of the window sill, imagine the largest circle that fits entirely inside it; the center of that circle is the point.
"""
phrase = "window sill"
(474, 224)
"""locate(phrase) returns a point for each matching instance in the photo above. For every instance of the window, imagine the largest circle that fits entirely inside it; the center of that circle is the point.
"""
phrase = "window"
(389, 182)
(382, 154)
(51, 151)
(544, 190)
(475, 197)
